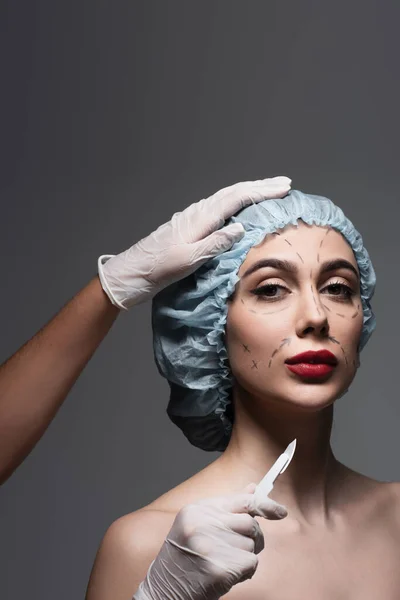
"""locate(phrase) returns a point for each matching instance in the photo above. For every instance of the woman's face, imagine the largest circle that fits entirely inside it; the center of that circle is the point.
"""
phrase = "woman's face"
(306, 298)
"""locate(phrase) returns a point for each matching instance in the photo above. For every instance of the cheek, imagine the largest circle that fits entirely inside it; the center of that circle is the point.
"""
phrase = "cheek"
(350, 332)
(250, 337)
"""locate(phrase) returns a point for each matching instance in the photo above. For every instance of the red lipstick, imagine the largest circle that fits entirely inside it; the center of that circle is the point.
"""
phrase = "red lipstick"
(312, 365)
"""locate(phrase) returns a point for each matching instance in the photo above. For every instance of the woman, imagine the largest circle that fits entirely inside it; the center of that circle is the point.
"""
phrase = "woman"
(228, 338)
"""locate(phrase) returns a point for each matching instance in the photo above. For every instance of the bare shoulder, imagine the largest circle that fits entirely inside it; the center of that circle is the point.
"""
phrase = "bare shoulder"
(133, 541)
(383, 505)
(126, 552)
(393, 494)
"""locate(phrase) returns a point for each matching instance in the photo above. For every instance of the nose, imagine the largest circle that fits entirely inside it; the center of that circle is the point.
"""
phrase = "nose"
(312, 316)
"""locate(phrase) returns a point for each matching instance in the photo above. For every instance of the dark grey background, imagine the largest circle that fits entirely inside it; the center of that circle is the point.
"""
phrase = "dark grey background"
(114, 116)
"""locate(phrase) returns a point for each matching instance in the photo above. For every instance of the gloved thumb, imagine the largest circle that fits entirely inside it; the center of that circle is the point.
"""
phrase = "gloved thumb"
(217, 242)
(268, 505)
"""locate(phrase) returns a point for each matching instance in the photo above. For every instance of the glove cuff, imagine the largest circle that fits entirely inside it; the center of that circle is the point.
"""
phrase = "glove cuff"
(100, 262)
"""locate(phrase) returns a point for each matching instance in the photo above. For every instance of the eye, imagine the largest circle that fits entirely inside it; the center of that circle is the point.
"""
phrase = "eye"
(268, 291)
(339, 290)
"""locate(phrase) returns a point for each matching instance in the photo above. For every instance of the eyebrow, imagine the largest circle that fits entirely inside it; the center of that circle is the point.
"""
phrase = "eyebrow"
(285, 265)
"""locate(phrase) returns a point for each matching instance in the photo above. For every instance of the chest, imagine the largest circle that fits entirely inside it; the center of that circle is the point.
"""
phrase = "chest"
(361, 566)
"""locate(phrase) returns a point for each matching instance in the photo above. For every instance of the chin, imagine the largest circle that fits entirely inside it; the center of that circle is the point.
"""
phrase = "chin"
(313, 396)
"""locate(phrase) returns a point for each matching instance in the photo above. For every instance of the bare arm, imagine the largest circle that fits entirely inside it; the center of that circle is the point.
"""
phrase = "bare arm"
(36, 379)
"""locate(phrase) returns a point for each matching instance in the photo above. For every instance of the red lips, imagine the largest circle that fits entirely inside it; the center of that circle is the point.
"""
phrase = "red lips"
(312, 357)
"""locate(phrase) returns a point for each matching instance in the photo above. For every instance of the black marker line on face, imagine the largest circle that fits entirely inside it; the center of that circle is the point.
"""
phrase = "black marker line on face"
(318, 257)
(353, 316)
(284, 341)
(272, 312)
(340, 315)
(312, 291)
(300, 257)
(344, 354)
(327, 307)
(246, 348)
(335, 341)
(255, 364)
(323, 239)
(287, 241)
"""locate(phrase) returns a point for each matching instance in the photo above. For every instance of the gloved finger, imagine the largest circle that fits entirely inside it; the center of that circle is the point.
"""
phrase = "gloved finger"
(208, 215)
(241, 503)
(239, 541)
(230, 200)
(250, 536)
(215, 243)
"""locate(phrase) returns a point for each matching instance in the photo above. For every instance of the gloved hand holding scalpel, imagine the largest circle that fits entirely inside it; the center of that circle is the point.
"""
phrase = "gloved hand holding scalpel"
(208, 550)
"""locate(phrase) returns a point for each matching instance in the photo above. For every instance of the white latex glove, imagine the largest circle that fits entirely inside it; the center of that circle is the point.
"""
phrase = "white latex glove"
(212, 545)
(179, 247)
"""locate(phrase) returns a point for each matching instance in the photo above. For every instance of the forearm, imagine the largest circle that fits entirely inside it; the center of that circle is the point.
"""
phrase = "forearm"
(36, 379)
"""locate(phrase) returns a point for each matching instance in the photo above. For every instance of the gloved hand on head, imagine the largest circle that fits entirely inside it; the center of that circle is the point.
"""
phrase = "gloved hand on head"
(180, 246)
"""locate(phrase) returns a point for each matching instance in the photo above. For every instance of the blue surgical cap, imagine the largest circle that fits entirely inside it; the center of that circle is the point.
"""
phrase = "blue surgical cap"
(189, 316)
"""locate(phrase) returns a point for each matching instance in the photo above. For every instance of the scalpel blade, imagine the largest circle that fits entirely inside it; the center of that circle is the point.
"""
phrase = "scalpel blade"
(280, 465)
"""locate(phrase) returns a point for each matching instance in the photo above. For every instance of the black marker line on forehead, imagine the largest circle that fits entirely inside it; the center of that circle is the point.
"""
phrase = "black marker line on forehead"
(246, 348)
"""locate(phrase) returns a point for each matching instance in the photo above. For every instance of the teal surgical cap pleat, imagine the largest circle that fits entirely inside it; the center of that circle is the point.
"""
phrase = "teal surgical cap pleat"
(189, 316)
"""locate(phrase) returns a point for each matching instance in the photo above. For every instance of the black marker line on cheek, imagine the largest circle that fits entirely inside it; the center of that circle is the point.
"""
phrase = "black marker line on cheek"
(272, 312)
(344, 354)
(335, 341)
(283, 342)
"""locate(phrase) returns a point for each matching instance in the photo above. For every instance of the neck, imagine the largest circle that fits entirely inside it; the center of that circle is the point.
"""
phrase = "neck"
(259, 437)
